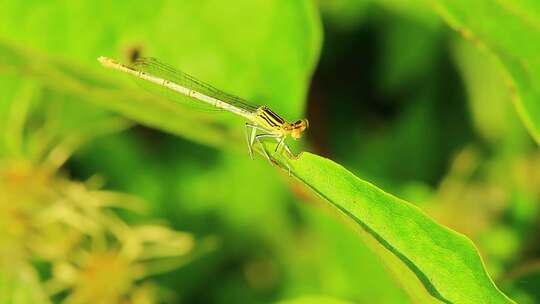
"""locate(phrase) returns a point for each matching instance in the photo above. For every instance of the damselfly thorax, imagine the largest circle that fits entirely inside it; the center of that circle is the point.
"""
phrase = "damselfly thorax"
(269, 120)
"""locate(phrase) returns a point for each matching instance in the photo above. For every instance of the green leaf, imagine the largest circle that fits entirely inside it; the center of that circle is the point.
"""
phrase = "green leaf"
(444, 263)
(489, 101)
(509, 31)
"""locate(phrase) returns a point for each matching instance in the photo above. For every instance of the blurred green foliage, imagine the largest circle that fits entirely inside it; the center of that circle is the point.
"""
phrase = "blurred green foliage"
(393, 93)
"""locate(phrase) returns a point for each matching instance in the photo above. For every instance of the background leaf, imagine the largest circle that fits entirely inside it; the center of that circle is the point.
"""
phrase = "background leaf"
(513, 41)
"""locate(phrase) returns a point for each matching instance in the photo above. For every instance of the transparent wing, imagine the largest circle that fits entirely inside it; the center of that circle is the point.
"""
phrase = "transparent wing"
(154, 67)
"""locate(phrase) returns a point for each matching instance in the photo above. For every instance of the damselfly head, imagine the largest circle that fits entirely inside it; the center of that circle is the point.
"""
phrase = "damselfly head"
(298, 128)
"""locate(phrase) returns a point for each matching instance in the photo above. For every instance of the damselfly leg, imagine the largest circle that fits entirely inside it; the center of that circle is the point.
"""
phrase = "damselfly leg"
(252, 137)
(280, 141)
(284, 145)
(249, 139)
(259, 138)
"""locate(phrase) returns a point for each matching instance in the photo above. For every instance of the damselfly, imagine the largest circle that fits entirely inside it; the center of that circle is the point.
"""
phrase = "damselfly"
(263, 122)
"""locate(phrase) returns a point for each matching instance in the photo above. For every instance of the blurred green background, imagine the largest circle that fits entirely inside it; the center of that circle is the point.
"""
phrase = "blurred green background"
(107, 197)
